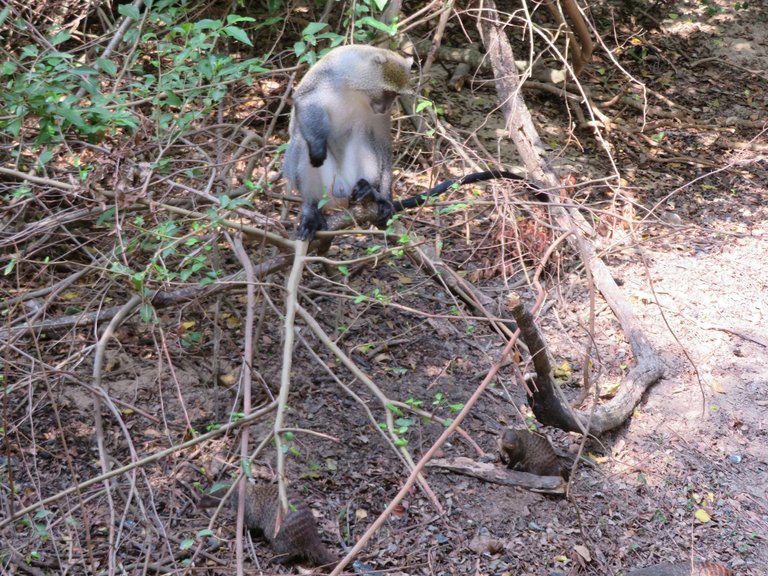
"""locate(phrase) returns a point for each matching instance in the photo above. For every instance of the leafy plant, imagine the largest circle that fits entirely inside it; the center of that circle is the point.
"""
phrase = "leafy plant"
(178, 70)
(310, 37)
(45, 87)
(361, 17)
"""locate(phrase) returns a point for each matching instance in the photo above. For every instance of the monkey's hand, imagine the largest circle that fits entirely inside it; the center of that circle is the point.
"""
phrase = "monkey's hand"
(363, 191)
(312, 220)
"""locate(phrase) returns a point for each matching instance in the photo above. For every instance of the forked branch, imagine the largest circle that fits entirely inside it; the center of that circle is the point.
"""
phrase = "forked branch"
(648, 368)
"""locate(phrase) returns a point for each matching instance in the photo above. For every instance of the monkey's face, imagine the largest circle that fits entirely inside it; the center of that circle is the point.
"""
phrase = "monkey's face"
(381, 103)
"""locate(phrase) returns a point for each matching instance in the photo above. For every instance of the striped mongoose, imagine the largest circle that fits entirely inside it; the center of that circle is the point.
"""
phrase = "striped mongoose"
(530, 452)
(683, 569)
(297, 538)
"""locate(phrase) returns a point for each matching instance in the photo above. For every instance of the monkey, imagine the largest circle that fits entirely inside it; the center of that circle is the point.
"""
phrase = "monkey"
(340, 131)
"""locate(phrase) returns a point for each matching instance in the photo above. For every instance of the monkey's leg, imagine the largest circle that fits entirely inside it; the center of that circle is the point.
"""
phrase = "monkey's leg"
(363, 190)
(312, 220)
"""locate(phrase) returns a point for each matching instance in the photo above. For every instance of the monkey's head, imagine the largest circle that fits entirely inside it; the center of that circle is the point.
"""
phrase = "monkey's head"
(394, 80)
(381, 74)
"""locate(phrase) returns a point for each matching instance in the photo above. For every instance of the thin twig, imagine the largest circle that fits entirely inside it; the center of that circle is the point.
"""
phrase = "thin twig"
(139, 463)
(245, 374)
(426, 458)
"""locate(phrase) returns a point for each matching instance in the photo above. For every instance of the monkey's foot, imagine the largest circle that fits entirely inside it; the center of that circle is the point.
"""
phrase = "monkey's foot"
(363, 191)
(311, 221)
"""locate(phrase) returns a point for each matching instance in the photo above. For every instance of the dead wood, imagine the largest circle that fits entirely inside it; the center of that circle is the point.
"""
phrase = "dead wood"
(648, 368)
(580, 41)
(360, 215)
(547, 401)
(472, 57)
(491, 473)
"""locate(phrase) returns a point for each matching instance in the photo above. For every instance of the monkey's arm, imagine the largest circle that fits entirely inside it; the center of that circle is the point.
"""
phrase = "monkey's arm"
(315, 126)
(420, 199)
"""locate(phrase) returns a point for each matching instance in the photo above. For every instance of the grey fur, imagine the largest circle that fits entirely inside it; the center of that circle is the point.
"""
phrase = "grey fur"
(341, 142)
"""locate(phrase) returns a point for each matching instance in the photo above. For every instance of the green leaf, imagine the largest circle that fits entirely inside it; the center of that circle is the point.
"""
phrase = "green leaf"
(394, 409)
(313, 28)
(377, 25)
(205, 532)
(30, 51)
(82, 70)
(45, 157)
(106, 66)
(60, 37)
(234, 19)
(207, 24)
(454, 208)
(7, 68)
(10, 266)
(238, 34)
(219, 487)
(146, 313)
(186, 544)
(424, 103)
(73, 116)
(129, 11)
(14, 126)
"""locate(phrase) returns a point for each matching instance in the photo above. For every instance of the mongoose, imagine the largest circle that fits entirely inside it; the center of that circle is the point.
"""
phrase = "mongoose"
(530, 452)
(683, 569)
(297, 538)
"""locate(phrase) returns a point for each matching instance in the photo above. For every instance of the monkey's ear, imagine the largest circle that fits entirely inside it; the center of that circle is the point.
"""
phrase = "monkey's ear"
(379, 58)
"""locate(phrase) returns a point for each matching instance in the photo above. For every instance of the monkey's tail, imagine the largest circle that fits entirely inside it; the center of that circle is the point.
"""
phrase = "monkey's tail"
(422, 198)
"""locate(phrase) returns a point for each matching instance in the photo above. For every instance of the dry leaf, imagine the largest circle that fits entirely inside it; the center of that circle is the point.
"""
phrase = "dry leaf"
(717, 386)
(583, 551)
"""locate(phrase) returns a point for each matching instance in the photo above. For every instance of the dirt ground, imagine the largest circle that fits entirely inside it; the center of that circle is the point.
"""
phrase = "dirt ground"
(686, 476)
